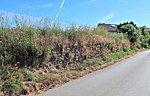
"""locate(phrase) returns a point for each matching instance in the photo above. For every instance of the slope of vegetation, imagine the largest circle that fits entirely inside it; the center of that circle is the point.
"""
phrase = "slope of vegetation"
(39, 55)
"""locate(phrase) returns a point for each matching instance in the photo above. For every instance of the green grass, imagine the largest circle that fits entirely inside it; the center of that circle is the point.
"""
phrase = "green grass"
(46, 76)
(117, 55)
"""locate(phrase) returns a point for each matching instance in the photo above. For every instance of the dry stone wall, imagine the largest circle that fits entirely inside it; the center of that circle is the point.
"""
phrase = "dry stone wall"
(74, 52)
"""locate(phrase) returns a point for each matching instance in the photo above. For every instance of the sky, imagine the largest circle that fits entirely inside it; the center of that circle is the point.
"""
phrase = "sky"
(81, 12)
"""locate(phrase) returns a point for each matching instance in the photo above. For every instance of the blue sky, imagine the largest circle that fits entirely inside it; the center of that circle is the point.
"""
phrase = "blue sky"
(82, 12)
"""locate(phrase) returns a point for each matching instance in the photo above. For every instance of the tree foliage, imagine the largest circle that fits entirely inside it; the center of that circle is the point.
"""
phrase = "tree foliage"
(139, 37)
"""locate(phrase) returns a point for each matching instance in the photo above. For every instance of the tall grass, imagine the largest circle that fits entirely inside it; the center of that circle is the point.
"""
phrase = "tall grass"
(30, 42)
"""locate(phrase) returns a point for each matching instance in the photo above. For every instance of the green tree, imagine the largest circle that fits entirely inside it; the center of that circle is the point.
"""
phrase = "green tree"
(132, 23)
(146, 37)
(131, 31)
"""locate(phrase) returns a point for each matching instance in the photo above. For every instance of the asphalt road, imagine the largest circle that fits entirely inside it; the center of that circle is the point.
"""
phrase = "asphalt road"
(129, 77)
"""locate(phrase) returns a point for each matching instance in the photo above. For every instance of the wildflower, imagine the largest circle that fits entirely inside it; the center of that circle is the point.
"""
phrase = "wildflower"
(15, 64)
(12, 68)
(84, 47)
(21, 77)
(16, 68)
(12, 78)
(15, 77)
(91, 50)
(91, 43)
(18, 62)
(9, 74)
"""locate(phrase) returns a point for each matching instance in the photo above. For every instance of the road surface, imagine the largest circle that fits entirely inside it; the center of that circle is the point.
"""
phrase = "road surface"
(129, 77)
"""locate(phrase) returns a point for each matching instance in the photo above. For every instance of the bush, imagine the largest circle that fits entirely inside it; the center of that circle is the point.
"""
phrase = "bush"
(23, 45)
(13, 78)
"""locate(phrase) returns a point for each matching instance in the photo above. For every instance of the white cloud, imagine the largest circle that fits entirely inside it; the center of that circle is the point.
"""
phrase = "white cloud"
(107, 17)
(41, 6)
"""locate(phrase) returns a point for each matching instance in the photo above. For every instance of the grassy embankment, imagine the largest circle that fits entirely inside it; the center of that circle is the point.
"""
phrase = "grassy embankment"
(35, 56)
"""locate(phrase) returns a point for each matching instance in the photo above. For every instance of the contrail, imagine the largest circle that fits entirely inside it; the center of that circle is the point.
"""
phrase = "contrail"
(60, 7)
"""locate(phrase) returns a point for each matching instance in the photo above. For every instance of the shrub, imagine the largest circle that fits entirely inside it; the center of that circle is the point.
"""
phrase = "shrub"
(13, 78)
(23, 45)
